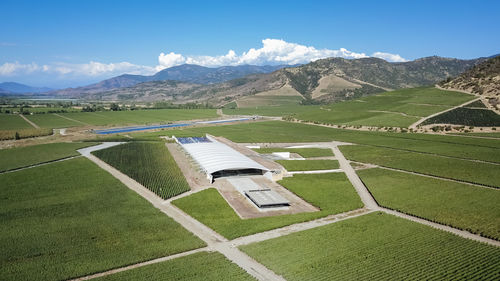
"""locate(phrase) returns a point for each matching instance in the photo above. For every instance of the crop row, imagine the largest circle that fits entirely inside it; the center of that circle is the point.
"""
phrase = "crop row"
(148, 163)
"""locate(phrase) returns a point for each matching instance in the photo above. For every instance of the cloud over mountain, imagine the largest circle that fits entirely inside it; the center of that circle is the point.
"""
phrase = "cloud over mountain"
(273, 52)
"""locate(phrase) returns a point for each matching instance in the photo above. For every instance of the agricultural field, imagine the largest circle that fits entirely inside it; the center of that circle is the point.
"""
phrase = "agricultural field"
(71, 218)
(471, 208)
(261, 100)
(376, 247)
(14, 158)
(332, 193)
(458, 169)
(466, 116)
(196, 267)
(140, 116)
(308, 165)
(13, 122)
(304, 152)
(24, 133)
(150, 164)
(476, 104)
(288, 110)
(286, 132)
(484, 135)
(51, 121)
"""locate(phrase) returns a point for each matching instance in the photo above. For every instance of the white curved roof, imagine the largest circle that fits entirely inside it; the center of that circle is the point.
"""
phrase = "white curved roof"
(214, 156)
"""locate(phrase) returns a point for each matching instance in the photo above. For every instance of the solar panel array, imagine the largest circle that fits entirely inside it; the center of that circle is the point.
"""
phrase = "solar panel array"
(193, 140)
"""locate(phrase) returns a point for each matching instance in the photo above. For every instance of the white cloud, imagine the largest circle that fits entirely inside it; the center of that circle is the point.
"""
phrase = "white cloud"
(389, 57)
(91, 69)
(14, 68)
(273, 51)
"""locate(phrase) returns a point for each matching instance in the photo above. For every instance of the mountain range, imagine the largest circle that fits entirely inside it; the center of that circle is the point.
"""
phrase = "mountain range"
(184, 73)
(17, 88)
(323, 80)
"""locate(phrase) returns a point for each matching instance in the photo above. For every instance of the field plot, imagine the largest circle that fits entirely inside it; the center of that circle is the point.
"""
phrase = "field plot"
(71, 218)
(13, 158)
(200, 266)
(271, 110)
(466, 116)
(462, 170)
(149, 164)
(308, 165)
(141, 116)
(261, 100)
(484, 135)
(276, 131)
(474, 209)
(13, 122)
(390, 109)
(24, 133)
(332, 193)
(51, 121)
(304, 152)
(377, 247)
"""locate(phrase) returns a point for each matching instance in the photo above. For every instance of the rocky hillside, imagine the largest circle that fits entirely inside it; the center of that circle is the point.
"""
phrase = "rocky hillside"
(482, 79)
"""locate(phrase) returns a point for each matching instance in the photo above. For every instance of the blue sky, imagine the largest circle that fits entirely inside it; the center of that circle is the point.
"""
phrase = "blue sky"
(70, 43)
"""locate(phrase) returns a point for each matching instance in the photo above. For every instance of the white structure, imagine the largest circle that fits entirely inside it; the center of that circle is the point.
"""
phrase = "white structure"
(217, 159)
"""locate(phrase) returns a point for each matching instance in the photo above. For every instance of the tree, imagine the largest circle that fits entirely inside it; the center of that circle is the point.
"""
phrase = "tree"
(115, 107)
(17, 137)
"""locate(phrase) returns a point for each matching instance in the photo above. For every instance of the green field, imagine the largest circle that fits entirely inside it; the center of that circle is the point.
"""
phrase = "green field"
(200, 266)
(377, 247)
(332, 193)
(308, 165)
(484, 135)
(51, 121)
(398, 108)
(276, 131)
(71, 218)
(462, 170)
(466, 116)
(24, 133)
(14, 158)
(13, 122)
(474, 209)
(150, 164)
(140, 116)
(271, 100)
(304, 152)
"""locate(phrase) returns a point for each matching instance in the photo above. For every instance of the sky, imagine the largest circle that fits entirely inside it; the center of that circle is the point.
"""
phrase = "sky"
(72, 43)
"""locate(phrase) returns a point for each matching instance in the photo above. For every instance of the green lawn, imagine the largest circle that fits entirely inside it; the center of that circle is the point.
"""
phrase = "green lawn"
(475, 209)
(308, 165)
(304, 152)
(200, 266)
(463, 170)
(149, 163)
(276, 131)
(13, 122)
(71, 218)
(332, 193)
(377, 247)
(13, 158)
(51, 121)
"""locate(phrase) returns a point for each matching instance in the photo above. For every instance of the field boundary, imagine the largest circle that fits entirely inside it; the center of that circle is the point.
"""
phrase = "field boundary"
(414, 125)
(39, 164)
(29, 121)
(71, 119)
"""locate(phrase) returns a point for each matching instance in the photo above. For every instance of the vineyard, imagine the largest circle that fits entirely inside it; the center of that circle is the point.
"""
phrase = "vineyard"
(466, 116)
(309, 165)
(304, 152)
(196, 267)
(149, 163)
(24, 133)
(376, 247)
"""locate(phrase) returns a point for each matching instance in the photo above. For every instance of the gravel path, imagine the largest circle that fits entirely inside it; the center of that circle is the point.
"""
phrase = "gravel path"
(414, 125)
(29, 121)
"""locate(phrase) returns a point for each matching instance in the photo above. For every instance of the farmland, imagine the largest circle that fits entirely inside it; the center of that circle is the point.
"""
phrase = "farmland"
(304, 152)
(197, 267)
(462, 170)
(276, 131)
(24, 133)
(376, 247)
(149, 163)
(14, 158)
(466, 116)
(13, 122)
(51, 121)
(474, 209)
(71, 218)
(308, 165)
(332, 193)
